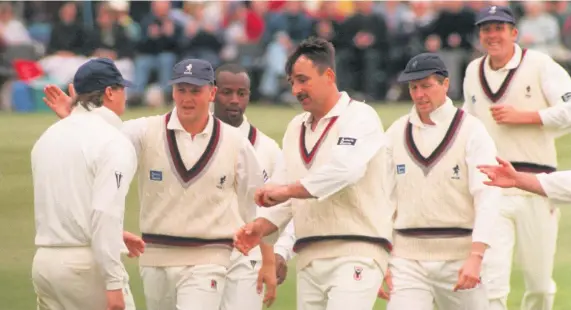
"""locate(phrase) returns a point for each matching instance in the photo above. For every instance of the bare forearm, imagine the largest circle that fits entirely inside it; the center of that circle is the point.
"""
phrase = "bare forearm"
(478, 248)
(529, 182)
(530, 118)
(296, 190)
(266, 227)
(268, 256)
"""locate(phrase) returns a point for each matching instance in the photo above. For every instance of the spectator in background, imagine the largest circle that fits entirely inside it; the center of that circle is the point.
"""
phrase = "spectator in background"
(283, 30)
(201, 37)
(540, 31)
(108, 39)
(326, 21)
(255, 23)
(362, 44)
(452, 37)
(121, 10)
(65, 51)
(13, 31)
(157, 49)
(234, 32)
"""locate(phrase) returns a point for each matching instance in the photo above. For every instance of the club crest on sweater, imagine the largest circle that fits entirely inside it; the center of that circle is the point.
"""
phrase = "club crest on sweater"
(357, 275)
(221, 182)
(456, 173)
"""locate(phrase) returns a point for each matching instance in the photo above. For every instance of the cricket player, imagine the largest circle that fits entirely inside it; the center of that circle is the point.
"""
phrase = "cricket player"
(517, 94)
(555, 186)
(230, 103)
(329, 180)
(442, 231)
(82, 167)
(188, 159)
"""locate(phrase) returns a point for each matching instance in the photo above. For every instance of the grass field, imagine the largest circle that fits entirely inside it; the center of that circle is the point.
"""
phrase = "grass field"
(19, 132)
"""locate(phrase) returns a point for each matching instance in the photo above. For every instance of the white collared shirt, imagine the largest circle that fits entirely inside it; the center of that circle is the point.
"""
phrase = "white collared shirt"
(191, 148)
(480, 150)
(556, 185)
(347, 164)
(555, 85)
(82, 167)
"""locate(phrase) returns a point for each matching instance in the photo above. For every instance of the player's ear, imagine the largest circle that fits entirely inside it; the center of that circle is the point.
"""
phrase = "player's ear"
(213, 90)
(515, 32)
(330, 75)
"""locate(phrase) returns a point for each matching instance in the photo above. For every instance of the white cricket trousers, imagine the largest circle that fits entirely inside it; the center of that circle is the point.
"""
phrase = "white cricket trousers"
(530, 224)
(66, 278)
(197, 287)
(340, 283)
(420, 285)
(240, 288)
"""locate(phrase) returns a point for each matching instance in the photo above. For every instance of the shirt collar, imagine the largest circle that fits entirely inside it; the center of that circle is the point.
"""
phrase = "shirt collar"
(337, 109)
(245, 126)
(512, 64)
(174, 123)
(103, 112)
(442, 115)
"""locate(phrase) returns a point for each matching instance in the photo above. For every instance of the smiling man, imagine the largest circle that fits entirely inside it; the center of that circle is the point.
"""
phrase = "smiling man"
(242, 280)
(522, 97)
(197, 177)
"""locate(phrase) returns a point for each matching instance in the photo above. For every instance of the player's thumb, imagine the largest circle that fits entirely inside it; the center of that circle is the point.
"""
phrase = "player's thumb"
(71, 90)
(260, 284)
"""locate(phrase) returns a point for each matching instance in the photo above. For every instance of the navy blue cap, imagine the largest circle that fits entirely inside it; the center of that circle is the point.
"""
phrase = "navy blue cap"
(97, 74)
(495, 13)
(193, 71)
(422, 66)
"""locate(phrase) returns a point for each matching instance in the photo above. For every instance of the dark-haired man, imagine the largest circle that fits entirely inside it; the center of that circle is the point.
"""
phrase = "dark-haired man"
(522, 97)
(242, 280)
(329, 181)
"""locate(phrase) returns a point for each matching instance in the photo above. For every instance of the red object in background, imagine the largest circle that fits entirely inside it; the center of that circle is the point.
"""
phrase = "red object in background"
(276, 5)
(255, 26)
(27, 70)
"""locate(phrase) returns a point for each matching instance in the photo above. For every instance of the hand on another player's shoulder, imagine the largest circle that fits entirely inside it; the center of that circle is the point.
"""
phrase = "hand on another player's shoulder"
(58, 101)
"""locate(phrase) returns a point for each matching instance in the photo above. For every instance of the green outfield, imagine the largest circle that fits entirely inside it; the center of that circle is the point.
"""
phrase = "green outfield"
(19, 132)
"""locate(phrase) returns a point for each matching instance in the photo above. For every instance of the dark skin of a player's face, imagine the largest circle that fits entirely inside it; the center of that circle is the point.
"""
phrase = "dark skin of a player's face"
(232, 97)
(309, 85)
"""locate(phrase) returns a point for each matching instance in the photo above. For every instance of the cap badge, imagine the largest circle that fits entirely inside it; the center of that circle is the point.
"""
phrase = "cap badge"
(188, 69)
(414, 64)
(493, 10)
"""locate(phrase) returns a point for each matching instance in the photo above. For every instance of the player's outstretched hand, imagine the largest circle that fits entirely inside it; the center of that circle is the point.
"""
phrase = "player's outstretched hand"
(267, 276)
(469, 274)
(503, 175)
(386, 293)
(134, 243)
(247, 237)
(58, 101)
(507, 114)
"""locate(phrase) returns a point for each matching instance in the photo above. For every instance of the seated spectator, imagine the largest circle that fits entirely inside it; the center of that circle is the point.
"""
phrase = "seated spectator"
(121, 10)
(202, 37)
(157, 49)
(65, 50)
(108, 39)
(234, 32)
(363, 43)
(540, 30)
(283, 29)
(13, 31)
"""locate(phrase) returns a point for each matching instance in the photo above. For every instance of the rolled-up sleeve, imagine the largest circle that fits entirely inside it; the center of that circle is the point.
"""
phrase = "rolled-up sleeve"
(114, 171)
(556, 87)
(249, 177)
(481, 150)
(556, 185)
(361, 136)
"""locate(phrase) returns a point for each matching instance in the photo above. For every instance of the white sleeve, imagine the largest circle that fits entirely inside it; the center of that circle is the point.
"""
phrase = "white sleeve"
(556, 185)
(114, 170)
(556, 86)
(360, 138)
(284, 245)
(249, 177)
(481, 150)
(135, 131)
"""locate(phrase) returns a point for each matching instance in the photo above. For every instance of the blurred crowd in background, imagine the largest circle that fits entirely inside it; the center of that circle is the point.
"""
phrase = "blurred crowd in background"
(45, 41)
